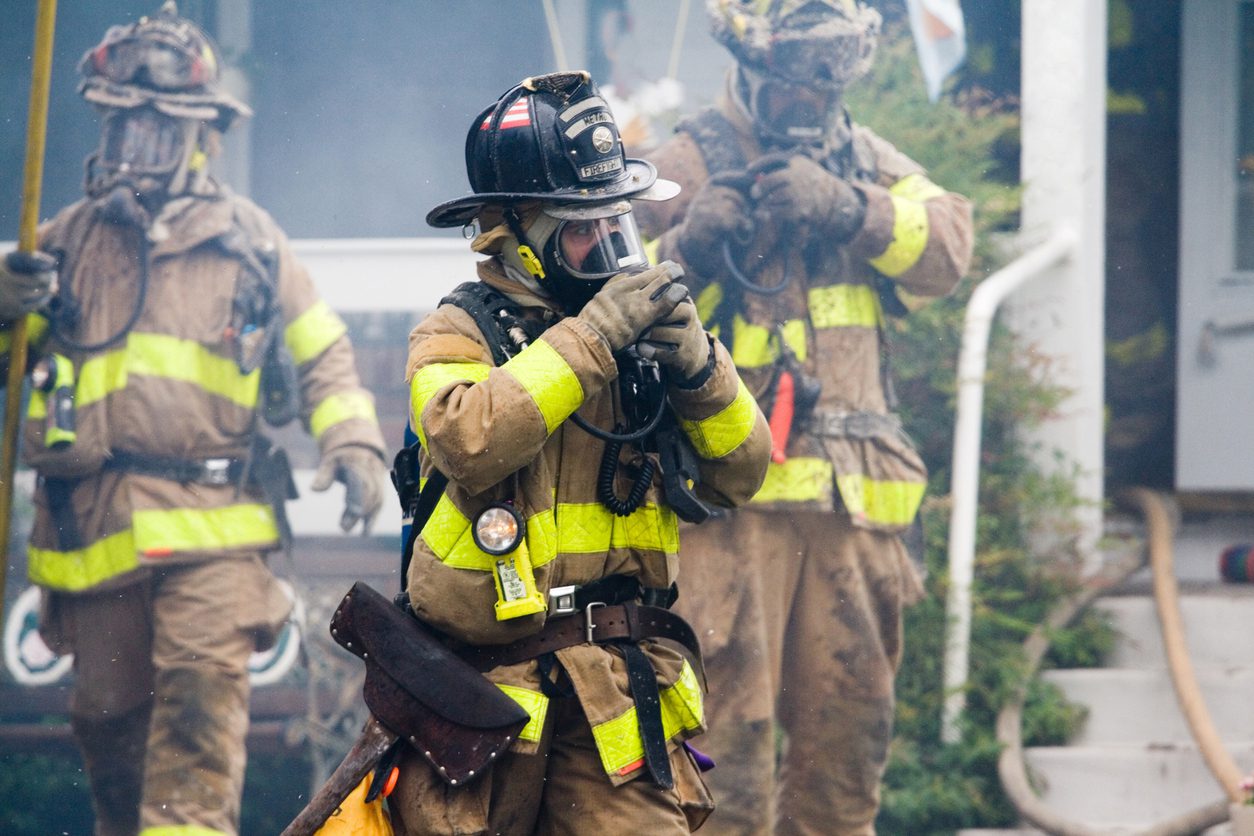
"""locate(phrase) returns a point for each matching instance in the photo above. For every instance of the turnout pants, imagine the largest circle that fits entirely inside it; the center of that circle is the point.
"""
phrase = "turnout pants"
(799, 616)
(561, 790)
(160, 700)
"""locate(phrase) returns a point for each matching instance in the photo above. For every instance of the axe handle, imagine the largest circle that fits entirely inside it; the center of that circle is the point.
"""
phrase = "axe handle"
(361, 758)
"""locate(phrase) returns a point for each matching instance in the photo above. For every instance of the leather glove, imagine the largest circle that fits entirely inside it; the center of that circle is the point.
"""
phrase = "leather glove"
(630, 302)
(718, 213)
(27, 281)
(807, 196)
(363, 474)
(679, 343)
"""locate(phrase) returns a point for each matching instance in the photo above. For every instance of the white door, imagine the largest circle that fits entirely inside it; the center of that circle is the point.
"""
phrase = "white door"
(1215, 362)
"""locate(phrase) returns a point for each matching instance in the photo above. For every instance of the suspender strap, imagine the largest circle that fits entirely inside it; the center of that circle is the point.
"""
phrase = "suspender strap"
(643, 682)
(427, 498)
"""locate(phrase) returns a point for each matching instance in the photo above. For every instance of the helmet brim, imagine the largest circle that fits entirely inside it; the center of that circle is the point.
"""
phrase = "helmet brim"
(639, 183)
(218, 106)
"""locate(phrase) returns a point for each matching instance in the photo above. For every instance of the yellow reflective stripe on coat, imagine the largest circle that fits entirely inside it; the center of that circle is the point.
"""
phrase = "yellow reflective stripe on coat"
(755, 346)
(447, 533)
(188, 830)
(160, 355)
(83, 568)
(585, 528)
(844, 306)
(882, 502)
(798, 479)
(430, 379)
(591, 528)
(707, 302)
(100, 377)
(313, 332)
(159, 532)
(723, 432)
(618, 740)
(534, 703)
(548, 379)
(910, 231)
(336, 409)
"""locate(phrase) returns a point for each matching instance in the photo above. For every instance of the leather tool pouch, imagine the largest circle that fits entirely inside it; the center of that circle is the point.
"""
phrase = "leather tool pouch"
(421, 691)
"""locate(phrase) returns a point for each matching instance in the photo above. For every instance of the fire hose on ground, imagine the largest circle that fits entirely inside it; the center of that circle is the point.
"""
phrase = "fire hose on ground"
(1010, 765)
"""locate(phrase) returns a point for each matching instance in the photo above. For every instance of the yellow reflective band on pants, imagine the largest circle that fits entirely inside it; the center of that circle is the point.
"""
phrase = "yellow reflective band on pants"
(881, 502)
(430, 379)
(618, 740)
(74, 571)
(161, 532)
(313, 332)
(535, 704)
(798, 479)
(549, 380)
(723, 432)
(910, 232)
(844, 306)
(337, 409)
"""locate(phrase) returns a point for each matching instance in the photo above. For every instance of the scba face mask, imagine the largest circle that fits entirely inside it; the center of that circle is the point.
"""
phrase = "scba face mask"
(788, 113)
(143, 141)
(587, 246)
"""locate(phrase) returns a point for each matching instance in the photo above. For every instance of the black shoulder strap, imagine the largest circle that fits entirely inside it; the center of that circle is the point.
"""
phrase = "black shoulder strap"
(488, 308)
(716, 139)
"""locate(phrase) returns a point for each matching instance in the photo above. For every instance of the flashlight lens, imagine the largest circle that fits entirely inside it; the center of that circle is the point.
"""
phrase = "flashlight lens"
(497, 530)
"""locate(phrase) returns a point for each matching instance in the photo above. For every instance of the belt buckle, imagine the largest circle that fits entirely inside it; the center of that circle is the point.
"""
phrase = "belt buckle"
(216, 471)
(588, 626)
(562, 601)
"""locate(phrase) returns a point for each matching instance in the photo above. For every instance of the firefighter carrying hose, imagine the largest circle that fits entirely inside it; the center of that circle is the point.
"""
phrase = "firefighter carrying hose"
(543, 392)
(793, 226)
(167, 318)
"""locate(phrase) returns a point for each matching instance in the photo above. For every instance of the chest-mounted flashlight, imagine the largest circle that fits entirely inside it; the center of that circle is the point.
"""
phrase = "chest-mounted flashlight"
(498, 529)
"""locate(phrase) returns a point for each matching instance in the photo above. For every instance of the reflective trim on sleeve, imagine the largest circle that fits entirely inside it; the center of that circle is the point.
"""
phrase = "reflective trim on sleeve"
(618, 740)
(723, 432)
(798, 479)
(535, 704)
(916, 187)
(313, 332)
(73, 571)
(162, 532)
(36, 328)
(880, 502)
(336, 409)
(430, 379)
(843, 306)
(160, 355)
(910, 231)
(548, 379)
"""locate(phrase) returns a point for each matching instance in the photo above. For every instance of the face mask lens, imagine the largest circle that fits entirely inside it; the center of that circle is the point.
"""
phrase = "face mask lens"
(142, 141)
(601, 247)
(159, 65)
(796, 111)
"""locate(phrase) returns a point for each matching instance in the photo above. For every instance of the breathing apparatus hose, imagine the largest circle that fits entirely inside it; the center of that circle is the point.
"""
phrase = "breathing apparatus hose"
(1010, 765)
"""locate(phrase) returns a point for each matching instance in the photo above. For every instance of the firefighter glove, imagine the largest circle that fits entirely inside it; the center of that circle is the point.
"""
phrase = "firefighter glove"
(631, 302)
(718, 213)
(364, 476)
(807, 196)
(27, 282)
(679, 343)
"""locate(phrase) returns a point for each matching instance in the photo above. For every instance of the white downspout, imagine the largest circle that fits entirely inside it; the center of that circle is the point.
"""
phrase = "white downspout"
(968, 426)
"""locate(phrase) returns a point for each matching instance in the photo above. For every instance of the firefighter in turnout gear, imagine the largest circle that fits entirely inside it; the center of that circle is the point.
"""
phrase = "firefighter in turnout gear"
(168, 318)
(552, 394)
(794, 226)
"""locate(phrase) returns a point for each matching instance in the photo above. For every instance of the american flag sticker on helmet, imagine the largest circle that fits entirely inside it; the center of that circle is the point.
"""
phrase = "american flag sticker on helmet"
(518, 116)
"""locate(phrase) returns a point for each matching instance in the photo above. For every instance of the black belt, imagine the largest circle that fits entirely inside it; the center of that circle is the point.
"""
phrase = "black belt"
(224, 470)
